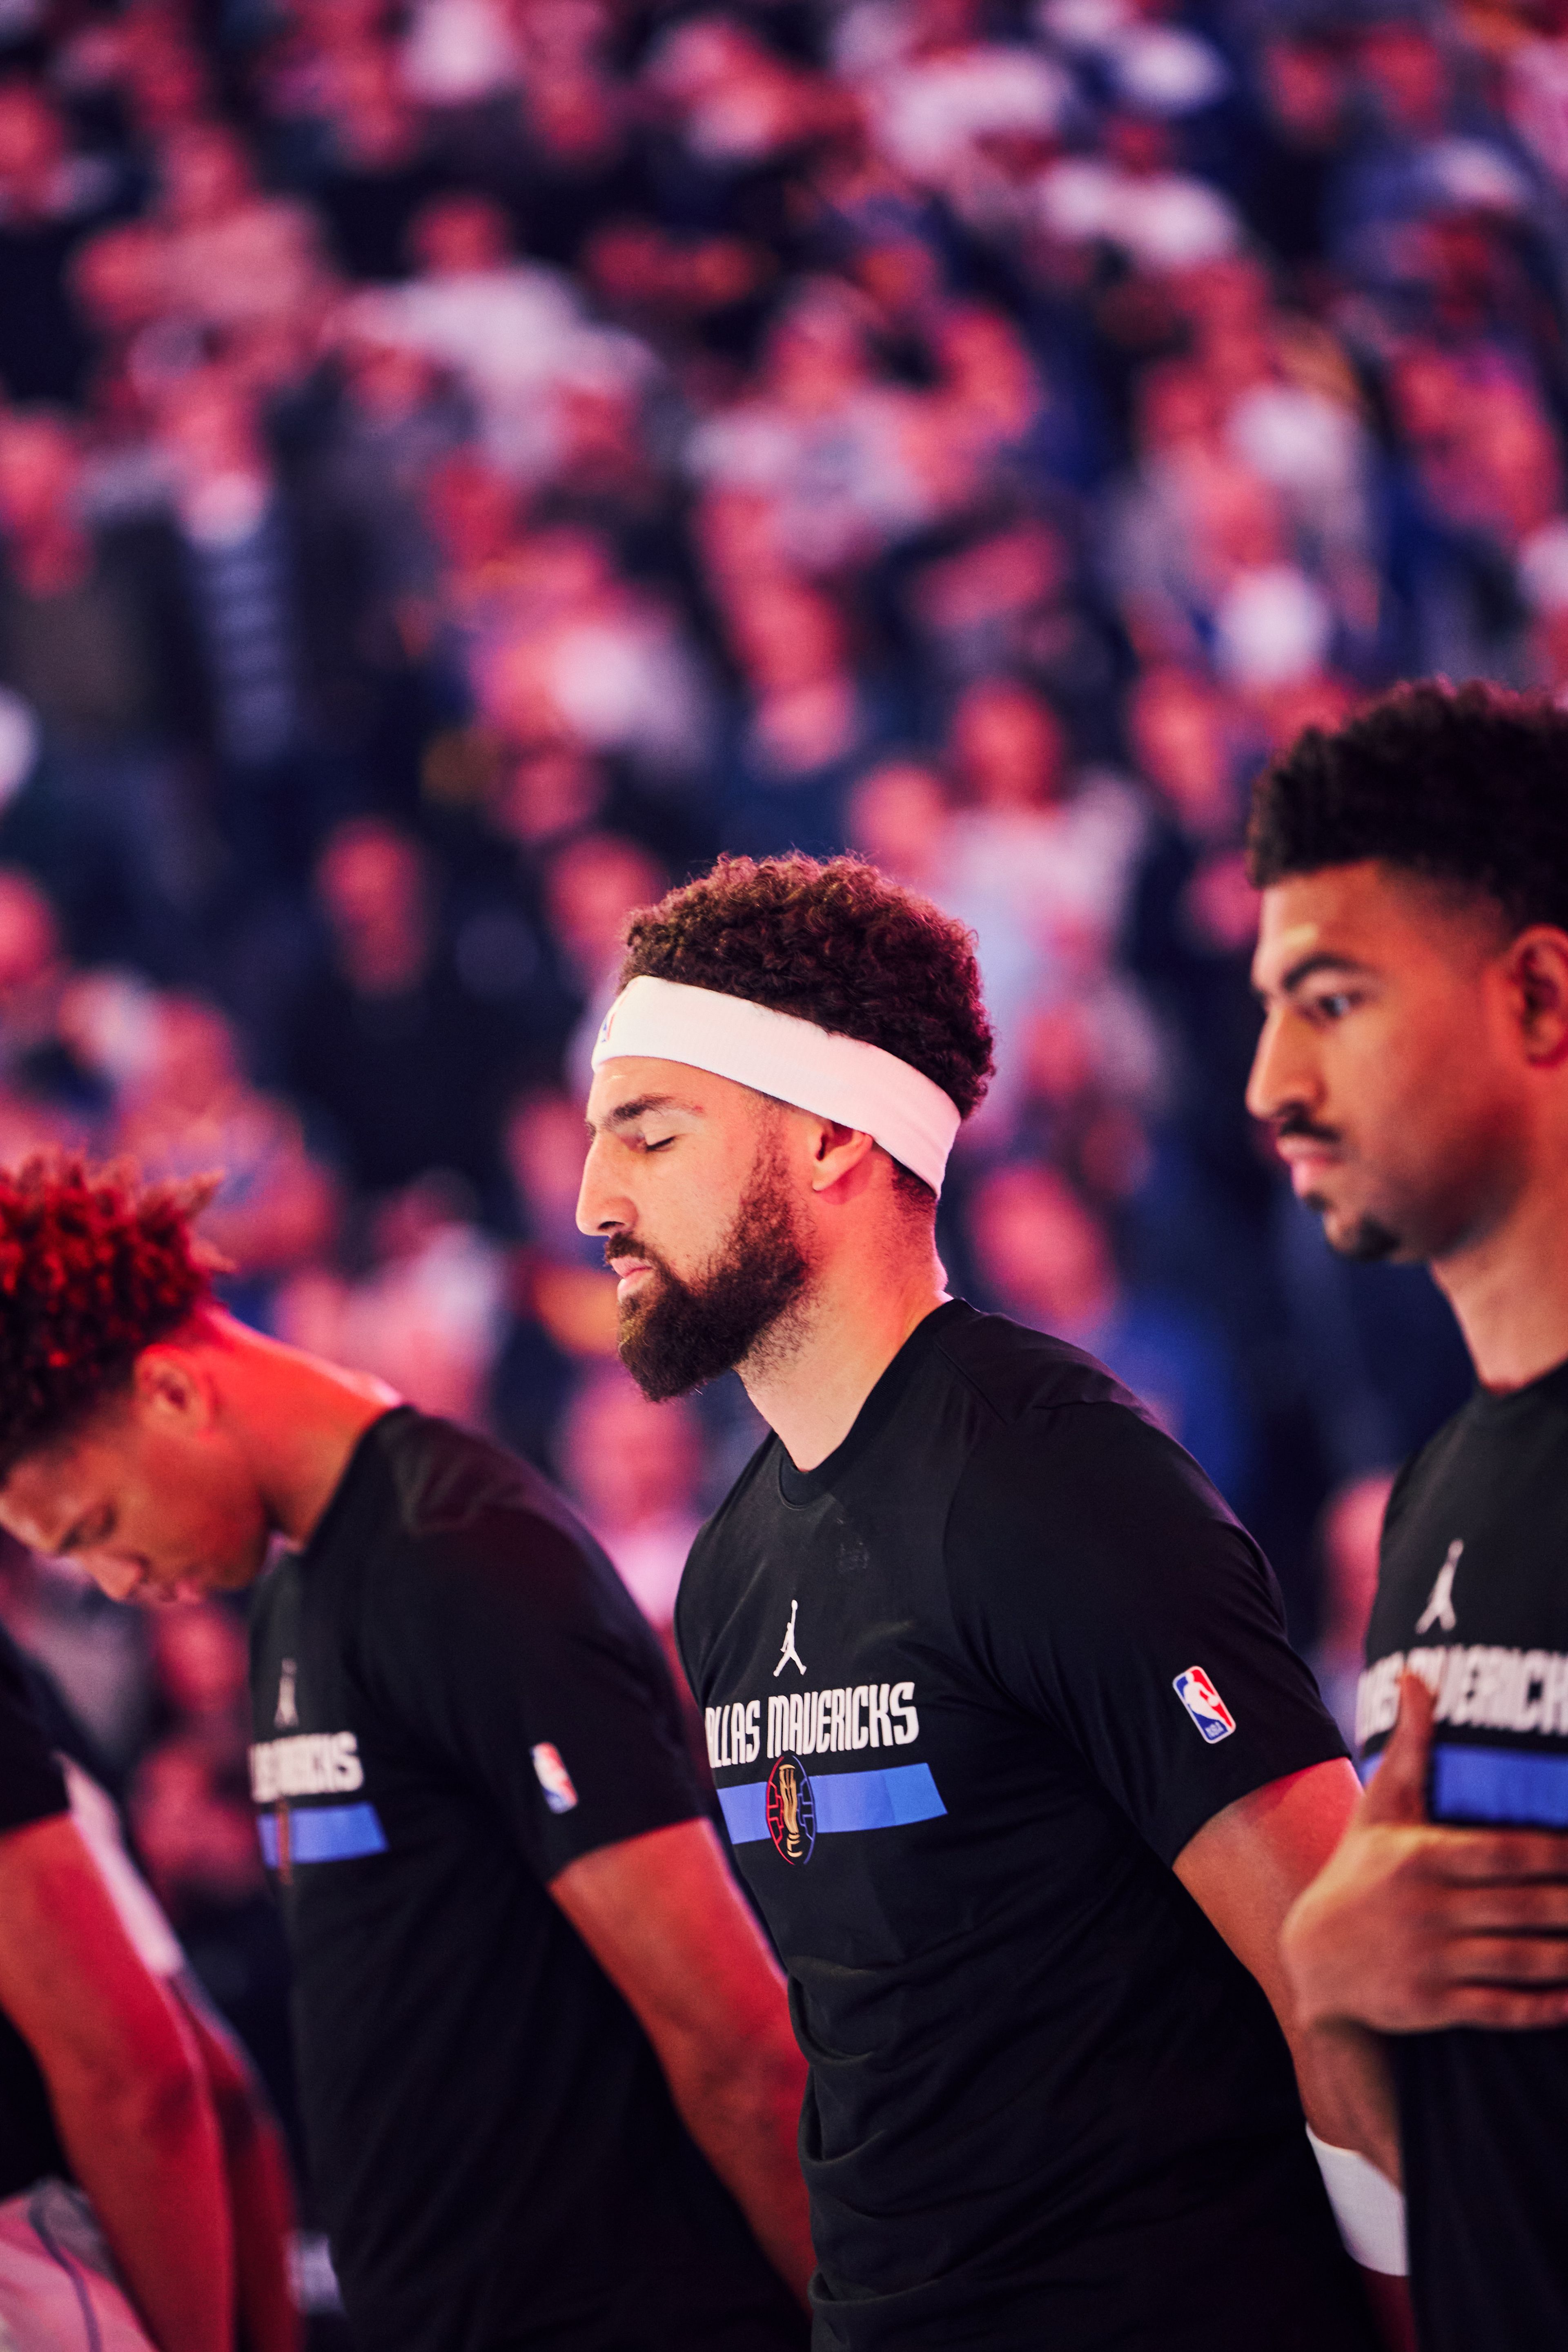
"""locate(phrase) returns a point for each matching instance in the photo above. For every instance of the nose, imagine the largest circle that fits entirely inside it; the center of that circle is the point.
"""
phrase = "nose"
(1281, 1074)
(120, 1578)
(599, 1207)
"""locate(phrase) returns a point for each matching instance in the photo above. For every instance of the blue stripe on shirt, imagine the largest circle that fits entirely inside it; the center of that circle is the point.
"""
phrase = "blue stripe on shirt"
(881, 1799)
(1499, 1784)
(323, 1833)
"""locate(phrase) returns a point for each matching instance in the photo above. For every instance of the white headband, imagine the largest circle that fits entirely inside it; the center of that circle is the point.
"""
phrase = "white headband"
(837, 1077)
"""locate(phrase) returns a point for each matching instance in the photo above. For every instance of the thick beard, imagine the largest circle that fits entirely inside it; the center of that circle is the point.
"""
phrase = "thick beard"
(677, 1334)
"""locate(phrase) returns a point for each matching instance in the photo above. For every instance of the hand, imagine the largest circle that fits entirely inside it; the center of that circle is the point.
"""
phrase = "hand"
(1412, 1927)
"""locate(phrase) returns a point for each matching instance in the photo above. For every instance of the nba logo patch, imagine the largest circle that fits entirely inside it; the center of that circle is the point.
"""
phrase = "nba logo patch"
(1205, 1705)
(553, 1778)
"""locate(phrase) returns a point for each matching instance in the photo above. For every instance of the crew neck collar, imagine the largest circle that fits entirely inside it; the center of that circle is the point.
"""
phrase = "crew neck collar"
(1492, 1404)
(801, 1487)
(340, 1503)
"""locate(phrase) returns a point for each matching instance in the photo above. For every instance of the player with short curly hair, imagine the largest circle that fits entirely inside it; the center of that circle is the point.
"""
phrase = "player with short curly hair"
(544, 2053)
(1413, 963)
(1461, 787)
(997, 1695)
(832, 943)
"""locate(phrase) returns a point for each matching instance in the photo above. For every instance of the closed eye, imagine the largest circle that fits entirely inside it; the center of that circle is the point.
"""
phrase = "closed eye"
(1333, 1005)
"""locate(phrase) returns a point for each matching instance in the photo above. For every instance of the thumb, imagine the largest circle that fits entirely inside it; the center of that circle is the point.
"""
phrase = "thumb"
(1398, 1790)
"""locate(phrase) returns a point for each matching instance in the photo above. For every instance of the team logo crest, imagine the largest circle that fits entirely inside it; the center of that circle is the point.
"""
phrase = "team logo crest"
(791, 1809)
(1205, 1705)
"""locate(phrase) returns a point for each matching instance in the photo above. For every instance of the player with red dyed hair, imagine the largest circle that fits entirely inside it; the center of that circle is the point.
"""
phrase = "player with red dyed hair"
(549, 2086)
(137, 2156)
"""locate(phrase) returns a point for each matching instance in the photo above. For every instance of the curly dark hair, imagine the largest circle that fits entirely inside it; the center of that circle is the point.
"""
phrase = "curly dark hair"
(836, 942)
(1464, 785)
(93, 1269)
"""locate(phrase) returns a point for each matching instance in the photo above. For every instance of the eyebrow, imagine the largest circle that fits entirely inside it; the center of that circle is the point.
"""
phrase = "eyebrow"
(639, 1107)
(1323, 960)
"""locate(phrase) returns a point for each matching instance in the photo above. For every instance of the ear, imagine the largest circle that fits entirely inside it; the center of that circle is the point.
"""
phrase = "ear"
(1537, 970)
(838, 1154)
(171, 1389)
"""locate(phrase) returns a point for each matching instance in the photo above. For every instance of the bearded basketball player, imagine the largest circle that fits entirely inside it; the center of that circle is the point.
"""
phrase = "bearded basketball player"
(1010, 1744)
(1413, 959)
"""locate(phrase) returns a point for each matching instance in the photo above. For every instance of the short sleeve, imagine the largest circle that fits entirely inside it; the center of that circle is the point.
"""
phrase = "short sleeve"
(32, 1788)
(510, 1647)
(1105, 1586)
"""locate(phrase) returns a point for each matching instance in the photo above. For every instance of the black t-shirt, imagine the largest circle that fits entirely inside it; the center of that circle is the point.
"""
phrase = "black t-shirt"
(31, 1789)
(454, 1698)
(1472, 1593)
(970, 1688)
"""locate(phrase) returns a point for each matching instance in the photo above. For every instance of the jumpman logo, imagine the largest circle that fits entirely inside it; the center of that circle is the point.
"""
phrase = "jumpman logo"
(789, 1650)
(287, 1718)
(1440, 1609)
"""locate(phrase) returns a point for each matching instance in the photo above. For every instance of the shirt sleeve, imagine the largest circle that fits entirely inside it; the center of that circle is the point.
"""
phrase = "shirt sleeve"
(32, 1788)
(1105, 1586)
(511, 1648)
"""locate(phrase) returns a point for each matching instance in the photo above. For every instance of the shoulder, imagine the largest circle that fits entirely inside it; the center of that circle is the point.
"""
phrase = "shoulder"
(472, 1592)
(727, 1558)
(752, 1483)
(1424, 1466)
(1072, 1465)
(444, 1477)
(724, 1524)
(1019, 1373)
(459, 1502)
(1090, 1470)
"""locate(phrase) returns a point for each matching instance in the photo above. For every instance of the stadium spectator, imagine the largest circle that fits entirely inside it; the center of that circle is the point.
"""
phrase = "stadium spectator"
(53, 196)
(635, 1470)
(383, 1041)
(80, 642)
(1044, 1255)
(1038, 860)
(236, 261)
(559, 1317)
(270, 601)
(808, 717)
(189, 1108)
(426, 1312)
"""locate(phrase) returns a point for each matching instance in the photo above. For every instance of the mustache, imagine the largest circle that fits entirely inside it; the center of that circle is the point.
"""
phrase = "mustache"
(628, 1245)
(1296, 1123)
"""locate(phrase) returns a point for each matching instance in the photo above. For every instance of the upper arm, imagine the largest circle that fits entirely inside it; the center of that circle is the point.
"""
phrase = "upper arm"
(1246, 1866)
(1109, 1592)
(664, 1918)
(70, 1979)
(514, 1651)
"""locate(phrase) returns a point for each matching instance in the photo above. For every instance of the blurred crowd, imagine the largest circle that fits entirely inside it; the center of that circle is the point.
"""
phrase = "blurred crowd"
(465, 463)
